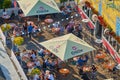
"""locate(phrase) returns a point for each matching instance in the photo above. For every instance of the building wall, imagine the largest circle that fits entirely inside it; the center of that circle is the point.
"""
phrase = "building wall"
(110, 11)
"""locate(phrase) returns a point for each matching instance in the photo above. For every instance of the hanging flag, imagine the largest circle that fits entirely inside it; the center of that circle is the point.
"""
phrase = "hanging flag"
(100, 7)
(15, 4)
(118, 26)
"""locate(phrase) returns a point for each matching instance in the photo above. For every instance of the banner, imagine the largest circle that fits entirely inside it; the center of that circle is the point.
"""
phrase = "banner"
(100, 7)
(118, 26)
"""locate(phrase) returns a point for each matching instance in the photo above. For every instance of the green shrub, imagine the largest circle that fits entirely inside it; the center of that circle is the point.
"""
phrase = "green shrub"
(6, 4)
(62, 1)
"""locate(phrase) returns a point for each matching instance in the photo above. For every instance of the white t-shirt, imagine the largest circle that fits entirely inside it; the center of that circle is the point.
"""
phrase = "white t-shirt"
(36, 77)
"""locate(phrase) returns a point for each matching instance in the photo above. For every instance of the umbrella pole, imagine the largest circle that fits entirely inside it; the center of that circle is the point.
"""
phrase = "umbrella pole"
(38, 18)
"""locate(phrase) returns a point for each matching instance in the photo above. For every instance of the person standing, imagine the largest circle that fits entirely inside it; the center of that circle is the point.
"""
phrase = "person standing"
(25, 27)
(94, 71)
(30, 29)
(4, 12)
(12, 15)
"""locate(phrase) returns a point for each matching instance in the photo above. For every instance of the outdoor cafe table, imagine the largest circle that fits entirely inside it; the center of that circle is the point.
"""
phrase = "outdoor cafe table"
(85, 20)
(48, 21)
(100, 56)
(109, 66)
(55, 30)
(64, 71)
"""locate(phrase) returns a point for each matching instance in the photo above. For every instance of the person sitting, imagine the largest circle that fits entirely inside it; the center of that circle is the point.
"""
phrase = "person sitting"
(47, 62)
(81, 72)
(116, 68)
(41, 52)
(4, 12)
(94, 70)
(20, 11)
(33, 55)
(12, 15)
(82, 61)
(51, 76)
(37, 64)
(36, 77)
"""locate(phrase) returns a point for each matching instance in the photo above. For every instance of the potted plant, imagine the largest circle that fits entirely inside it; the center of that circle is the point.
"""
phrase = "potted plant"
(18, 40)
(6, 3)
(5, 28)
(35, 71)
(63, 1)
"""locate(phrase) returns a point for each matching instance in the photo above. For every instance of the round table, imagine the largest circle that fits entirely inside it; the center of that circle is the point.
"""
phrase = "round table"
(109, 66)
(85, 20)
(100, 56)
(55, 30)
(48, 21)
(98, 40)
(64, 71)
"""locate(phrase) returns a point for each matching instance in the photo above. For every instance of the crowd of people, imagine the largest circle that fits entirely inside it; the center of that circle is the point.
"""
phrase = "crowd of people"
(50, 64)
(43, 60)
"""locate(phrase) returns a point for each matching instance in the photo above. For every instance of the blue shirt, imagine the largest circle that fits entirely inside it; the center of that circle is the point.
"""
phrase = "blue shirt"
(30, 28)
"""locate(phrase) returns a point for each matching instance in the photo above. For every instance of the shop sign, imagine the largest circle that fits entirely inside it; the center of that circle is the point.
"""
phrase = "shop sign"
(42, 10)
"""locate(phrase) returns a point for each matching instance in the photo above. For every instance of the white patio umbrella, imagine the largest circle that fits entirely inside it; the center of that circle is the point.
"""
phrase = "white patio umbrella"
(67, 46)
(38, 7)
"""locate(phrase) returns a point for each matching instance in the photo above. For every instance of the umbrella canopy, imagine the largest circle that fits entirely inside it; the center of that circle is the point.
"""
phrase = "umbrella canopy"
(67, 46)
(38, 7)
